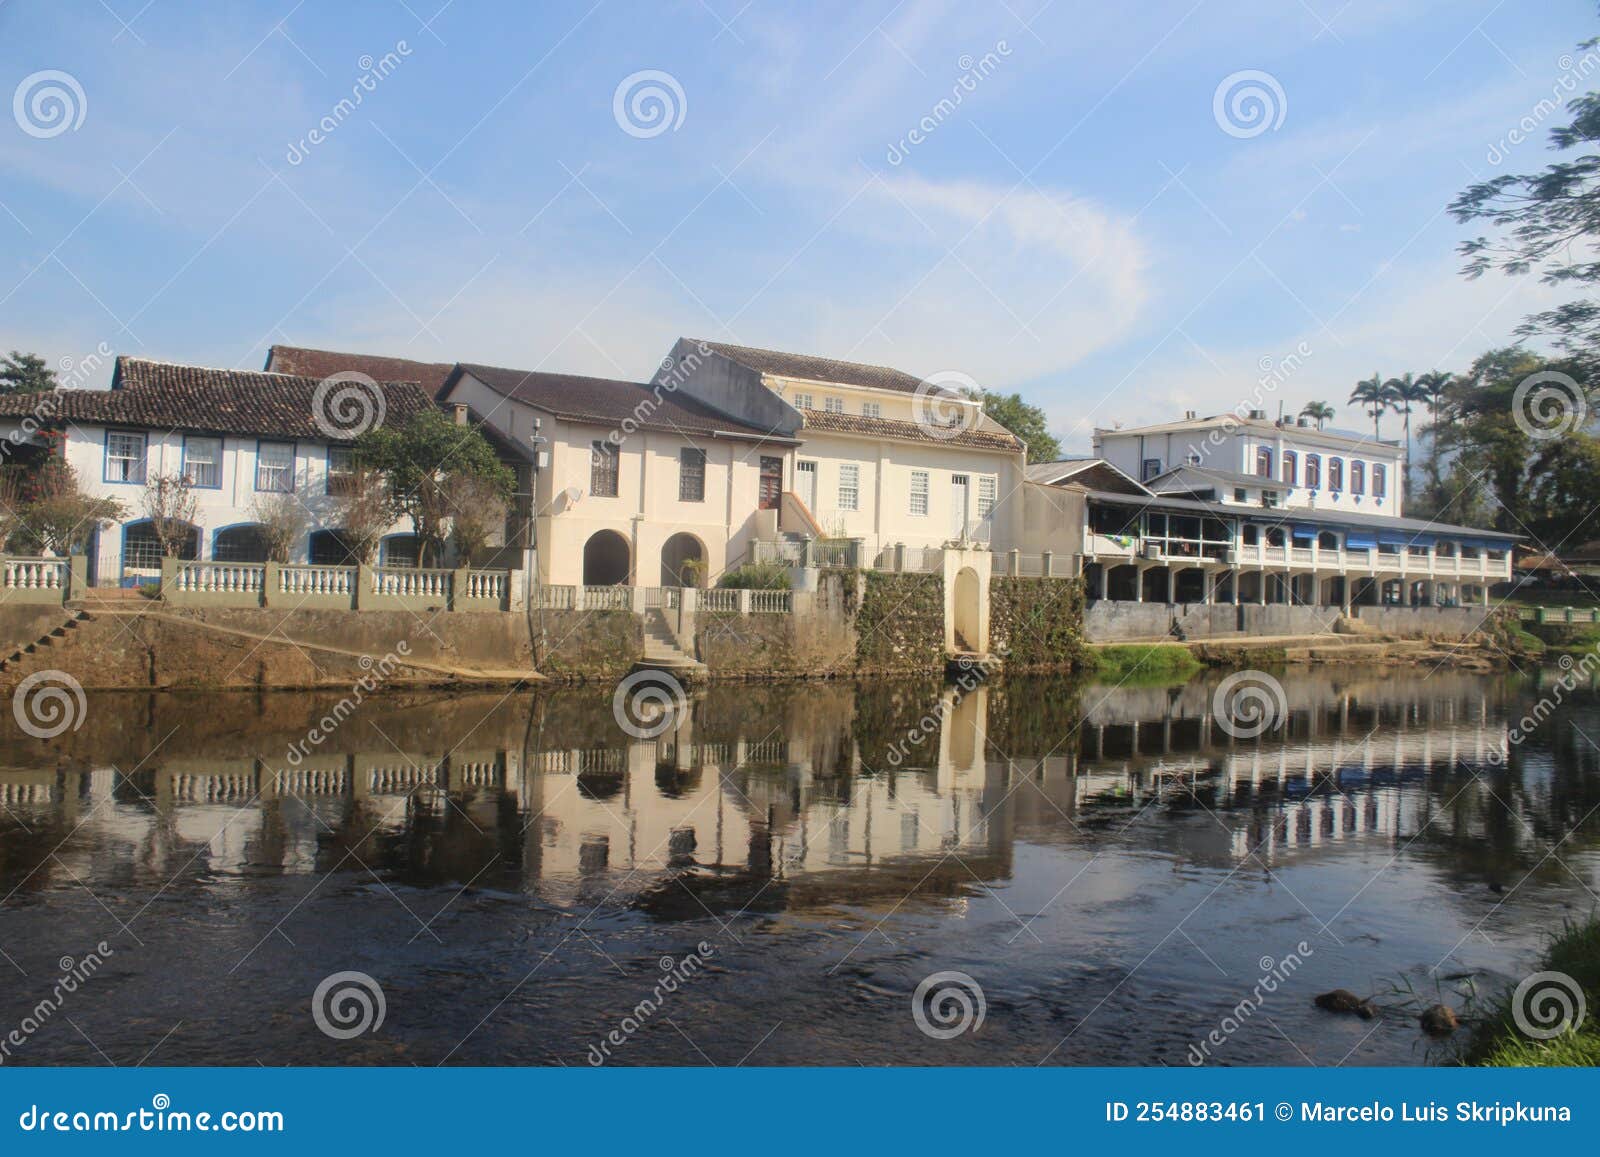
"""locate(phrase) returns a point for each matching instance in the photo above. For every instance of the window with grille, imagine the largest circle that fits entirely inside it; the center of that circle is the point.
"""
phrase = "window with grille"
(771, 482)
(691, 475)
(603, 470)
(341, 469)
(833, 405)
(275, 467)
(803, 402)
(125, 456)
(202, 462)
(871, 410)
(919, 492)
(988, 489)
(849, 486)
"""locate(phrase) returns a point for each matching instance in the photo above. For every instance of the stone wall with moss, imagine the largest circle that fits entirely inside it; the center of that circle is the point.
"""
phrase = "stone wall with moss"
(587, 644)
(899, 621)
(1036, 624)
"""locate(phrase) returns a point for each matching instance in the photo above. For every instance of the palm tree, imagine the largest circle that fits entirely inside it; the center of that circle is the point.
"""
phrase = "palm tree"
(1435, 384)
(1318, 412)
(1374, 396)
(1404, 393)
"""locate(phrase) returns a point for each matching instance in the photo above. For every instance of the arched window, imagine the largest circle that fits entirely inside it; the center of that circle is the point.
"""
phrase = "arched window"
(1335, 474)
(1313, 471)
(1358, 477)
(1264, 462)
(1328, 540)
(1291, 467)
(1275, 536)
(243, 543)
(1380, 480)
(331, 548)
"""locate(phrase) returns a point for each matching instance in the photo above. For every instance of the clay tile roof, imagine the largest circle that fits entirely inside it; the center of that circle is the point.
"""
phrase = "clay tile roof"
(815, 369)
(979, 439)
(309, 363)
(164, 396)
(608, 402)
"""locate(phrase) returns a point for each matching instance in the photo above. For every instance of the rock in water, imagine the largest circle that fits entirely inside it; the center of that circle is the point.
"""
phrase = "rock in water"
(1439, 1020)
(1339, 1000)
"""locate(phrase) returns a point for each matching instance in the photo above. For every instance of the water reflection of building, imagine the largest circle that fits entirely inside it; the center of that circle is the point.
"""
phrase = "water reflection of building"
(797, 802)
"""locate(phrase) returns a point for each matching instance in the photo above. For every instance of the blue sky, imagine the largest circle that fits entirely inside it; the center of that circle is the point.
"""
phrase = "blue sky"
(1080, 227)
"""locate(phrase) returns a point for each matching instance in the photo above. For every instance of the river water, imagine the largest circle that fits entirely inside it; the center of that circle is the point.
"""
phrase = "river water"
(770, 879)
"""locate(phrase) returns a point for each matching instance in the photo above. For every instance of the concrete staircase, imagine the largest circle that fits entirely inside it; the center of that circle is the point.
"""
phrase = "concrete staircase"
(662, 650)
(38, 655)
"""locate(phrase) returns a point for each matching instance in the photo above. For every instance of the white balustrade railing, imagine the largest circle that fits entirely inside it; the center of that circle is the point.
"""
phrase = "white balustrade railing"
(555, 598)
(719, 600)
(35, 574)
(221, 577)
(411, 582)
(606, 599)
(487, 584)
(770, 602)
(317, 580)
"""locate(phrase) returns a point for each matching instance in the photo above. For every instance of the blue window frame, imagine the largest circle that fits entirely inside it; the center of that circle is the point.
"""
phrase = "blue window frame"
(127, 456)
(202, 462)
(275, 467)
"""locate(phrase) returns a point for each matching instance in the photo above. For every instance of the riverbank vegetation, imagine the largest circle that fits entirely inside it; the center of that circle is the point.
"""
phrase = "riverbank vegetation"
(1143, 662)
(1499, 1043)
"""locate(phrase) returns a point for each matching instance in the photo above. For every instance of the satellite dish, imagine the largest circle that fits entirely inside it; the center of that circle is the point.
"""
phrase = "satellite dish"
(572, 494)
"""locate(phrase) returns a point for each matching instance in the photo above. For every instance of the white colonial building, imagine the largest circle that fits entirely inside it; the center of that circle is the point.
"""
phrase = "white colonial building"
(243, 439)
(1252, 461)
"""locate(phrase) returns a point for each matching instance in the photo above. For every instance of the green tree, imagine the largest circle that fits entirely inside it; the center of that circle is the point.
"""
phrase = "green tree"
(1436, 385)
(1318, 412)
(1548, 221)
(1373, 395)
(1489, 437)
(1405, 393)
(22, 373)
(59, 514)
(1026, 421)
(421, 463)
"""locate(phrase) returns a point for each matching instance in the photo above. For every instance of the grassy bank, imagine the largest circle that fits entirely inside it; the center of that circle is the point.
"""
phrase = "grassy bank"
(1576, 952)
(1143, 662)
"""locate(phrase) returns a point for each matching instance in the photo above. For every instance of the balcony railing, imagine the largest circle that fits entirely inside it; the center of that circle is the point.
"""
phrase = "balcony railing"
(1118, 549)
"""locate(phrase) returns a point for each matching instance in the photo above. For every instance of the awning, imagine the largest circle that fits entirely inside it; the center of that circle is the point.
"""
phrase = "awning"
(1305, 532)
(1393, 537)
(1360, 540)
(1422, 540)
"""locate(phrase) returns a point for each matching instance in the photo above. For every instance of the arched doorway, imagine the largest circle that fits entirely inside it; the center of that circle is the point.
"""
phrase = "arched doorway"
(969, 628)
(241, 543)
(683, 561)
(142, 553)
(607, 561)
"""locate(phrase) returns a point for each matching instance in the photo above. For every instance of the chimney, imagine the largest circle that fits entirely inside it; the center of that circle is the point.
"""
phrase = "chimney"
(460, 414)
(1188, 415)
(1258, 415)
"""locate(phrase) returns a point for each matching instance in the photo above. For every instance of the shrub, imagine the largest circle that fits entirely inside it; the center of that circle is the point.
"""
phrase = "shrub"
(756, 576)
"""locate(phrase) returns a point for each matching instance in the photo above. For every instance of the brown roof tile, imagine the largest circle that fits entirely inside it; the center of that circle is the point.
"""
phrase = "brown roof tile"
(815, 369)
(979, 439)
(608, 402)
(309, 363)
(164, 396)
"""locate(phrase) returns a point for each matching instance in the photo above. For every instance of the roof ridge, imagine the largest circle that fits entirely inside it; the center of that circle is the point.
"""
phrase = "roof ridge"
(791, 354)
